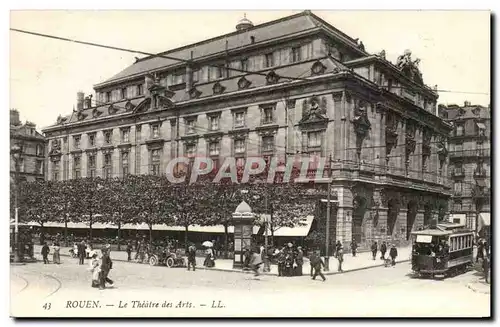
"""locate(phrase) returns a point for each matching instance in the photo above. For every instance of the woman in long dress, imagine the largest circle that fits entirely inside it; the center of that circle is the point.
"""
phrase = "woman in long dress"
(56, 257)
(209, 258)
(95, 269)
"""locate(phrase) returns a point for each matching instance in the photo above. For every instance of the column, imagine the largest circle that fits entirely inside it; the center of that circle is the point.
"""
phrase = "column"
(400, 229)
(419, 219)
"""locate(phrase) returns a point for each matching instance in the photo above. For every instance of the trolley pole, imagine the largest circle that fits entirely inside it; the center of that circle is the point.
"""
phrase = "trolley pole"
(267, 267)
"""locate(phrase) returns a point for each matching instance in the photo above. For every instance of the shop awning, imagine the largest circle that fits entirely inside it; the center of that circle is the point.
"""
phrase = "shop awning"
(298, 231)
(480, 182)
(484, 220)
(481, 125)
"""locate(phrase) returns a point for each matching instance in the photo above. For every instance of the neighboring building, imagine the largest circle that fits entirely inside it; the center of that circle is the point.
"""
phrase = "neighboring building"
(376, 119)
(470, 162)
(31, 160)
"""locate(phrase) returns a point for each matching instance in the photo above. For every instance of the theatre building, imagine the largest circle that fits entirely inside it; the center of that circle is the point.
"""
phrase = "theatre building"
(296, 85)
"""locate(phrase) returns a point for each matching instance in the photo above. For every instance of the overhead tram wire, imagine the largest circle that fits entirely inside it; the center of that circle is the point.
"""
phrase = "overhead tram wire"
(187, 61)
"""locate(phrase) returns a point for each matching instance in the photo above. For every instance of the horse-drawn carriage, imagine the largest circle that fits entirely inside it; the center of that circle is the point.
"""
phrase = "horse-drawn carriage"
(164, 257)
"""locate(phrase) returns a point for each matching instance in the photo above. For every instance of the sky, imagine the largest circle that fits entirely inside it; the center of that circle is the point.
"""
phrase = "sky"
(45, 74)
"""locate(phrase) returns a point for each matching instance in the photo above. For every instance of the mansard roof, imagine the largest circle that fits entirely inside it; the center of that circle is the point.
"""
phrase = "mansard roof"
(264, 32)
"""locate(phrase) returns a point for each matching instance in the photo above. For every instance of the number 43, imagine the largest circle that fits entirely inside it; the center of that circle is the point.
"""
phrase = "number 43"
(46, 306)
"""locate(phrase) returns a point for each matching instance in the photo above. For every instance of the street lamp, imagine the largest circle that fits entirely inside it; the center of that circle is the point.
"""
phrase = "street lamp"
(15, 151)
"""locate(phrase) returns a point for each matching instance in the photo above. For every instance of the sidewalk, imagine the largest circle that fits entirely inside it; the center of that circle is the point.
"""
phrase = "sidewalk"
(480, 286)
(361, 261)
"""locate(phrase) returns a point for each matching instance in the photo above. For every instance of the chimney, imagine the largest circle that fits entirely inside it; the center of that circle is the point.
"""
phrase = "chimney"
(88, 102)
(466, 103)
(79, 100)
(14, 117)
(189, 75)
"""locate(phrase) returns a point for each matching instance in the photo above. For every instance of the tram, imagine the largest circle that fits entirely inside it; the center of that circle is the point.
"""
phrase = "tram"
(445, 250)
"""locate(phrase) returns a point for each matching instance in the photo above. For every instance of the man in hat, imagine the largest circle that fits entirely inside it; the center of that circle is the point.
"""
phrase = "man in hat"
(191, 257)
(129, 251)
(354, 246)
(340, 258)
(81, 252)
(316, 264)
(393, 253)
(45, 252)
(299, 259)
(106, 266)
(374, 250)
(383, 250)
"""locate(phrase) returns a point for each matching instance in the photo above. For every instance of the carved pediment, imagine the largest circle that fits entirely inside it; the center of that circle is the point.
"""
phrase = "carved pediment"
(409, 67)
(314, 110)
(164, 102)
(96, 113)
(81, 116)
(318, 68)
(243, 83)
(143, 106)
(112, 110)
(129, 106)
(272, 77)
(61, 120)
(194, 93)
(218, 88)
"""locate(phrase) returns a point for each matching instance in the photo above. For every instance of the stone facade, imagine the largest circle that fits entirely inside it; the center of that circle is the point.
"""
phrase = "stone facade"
(470, 161)
(310, 90)
(31, 161)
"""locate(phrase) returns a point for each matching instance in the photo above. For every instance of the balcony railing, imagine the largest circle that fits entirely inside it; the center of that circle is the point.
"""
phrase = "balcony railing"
(458, 172)
(470, 153)
(480, 173)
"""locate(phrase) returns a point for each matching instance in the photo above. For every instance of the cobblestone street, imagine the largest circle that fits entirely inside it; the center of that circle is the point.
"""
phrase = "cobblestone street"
(371, 292)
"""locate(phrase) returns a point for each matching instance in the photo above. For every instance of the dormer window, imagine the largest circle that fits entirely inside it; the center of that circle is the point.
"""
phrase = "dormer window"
(107, 97)
(269, 60)
(123, 93)
(140, 89)
(295, 55)
(244, 64)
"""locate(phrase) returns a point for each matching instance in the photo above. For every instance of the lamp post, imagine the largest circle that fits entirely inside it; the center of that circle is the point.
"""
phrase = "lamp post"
(16, 154)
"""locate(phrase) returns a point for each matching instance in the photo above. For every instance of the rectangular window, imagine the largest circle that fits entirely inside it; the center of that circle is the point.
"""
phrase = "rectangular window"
(155, 162)
(213, 123)
(196, 75)
(190, 150)
(155, 131)
(55, 170)
(268, 143)
(108, 137)
(459, 147)
(76, 167)
(38, 167)
(91, 139)
(108, 97)
(140, 89)
(138, 131)
(239, 119)
(107, 165)
(221, 72)
(457, 205)
(244, 64)
(458, 188)
(314, 139)
(459, 130)
(269, 60)
(123, 93)
(92, 165)
(124, 163)
(296, 54)
(125, 135)
(21, 165)
(76, 141)
(190, 126)
(179, 77)
(239, 146)
(267, 115)
(213, 148)
(39, 150)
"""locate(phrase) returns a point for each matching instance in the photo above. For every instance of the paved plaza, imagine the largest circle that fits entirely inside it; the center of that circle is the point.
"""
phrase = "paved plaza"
(43, 290)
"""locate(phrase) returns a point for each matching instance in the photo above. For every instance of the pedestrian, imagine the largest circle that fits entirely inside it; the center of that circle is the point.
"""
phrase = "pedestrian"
(383, 250)
(393, 253)
(138, 247)
(374, 250)
(209, 258)
(338, 246)
(191, 257)
(45, 253)
(299, 261)
(106, 266)
(56, 256)
(486, 269)
(129, 251)
(316, 265)
(81, 252)
(256, 262)
(281, 263)
(480, 250)
(354, 246)
(340, 258)
(95, 269)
